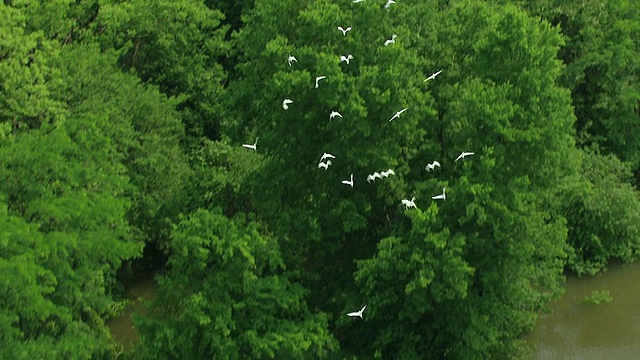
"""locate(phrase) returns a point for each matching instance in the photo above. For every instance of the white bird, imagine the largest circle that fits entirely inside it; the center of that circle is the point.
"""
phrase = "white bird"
(357, 1)
(432, 166)
(357, 313)
(318, 78)
(408, 204)
(372, 177)
(387, 173)
(327, 156)
(442, 196)
(433, 76)
(286, 102)
(348, 182)
(248, 146)
(397, 114)
(334, 114)
(346, 58)
(462, 156)
(291, 58)
(391, 41)
(344, 31)
(389, 2)
(324, 165)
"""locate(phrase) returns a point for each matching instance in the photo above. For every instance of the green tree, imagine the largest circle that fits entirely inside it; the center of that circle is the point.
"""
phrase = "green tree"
(409, 301)
(228, 296)
(602, 55)
(76, 238)
(603, 216)
(323, 223)
(142, 125)
(220, 176)
(175, 45)
(26, 75)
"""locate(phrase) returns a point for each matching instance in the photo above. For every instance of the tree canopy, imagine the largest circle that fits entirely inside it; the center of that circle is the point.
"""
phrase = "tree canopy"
(121, 132)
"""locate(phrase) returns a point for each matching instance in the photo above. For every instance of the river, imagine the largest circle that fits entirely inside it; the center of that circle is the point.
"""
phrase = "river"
(577, 330)
(122, 330)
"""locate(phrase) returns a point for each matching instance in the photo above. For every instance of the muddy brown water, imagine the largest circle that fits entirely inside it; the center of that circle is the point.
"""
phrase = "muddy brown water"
(577, 330)
(574, 330)
(121, 327)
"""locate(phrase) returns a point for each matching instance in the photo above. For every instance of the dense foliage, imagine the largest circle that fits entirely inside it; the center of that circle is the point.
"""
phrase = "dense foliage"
(121, 125)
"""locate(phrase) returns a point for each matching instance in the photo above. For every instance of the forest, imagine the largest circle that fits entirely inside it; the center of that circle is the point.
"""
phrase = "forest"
(155, 133)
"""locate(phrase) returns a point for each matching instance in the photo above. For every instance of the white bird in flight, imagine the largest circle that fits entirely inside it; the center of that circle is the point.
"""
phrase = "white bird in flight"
(327, 156)
(433, 76)
(357, 1)
(348, 182)
(463, 155)
(397, 114)
(387, 173)
(334, 114)
(357, 313)
(249, 146)
(318, 78)
(291, 58)
(408, 204)
(432, 166)
(344, 31)
(442, 196)
(389, 2)
(286, 102)
(372, 177)
(324, 165)
(346, 58)
(391, 41)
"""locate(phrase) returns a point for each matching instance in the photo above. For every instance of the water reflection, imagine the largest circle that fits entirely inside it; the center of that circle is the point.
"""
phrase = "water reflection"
(576, 330)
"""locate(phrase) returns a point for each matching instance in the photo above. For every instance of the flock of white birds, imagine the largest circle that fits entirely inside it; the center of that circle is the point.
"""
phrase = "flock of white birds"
(325, 159)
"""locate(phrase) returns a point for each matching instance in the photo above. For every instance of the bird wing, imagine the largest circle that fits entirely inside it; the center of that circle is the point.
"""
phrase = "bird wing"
(435, 163)
(377, 174)
(460, 156)
(390, 171)
(362, 310)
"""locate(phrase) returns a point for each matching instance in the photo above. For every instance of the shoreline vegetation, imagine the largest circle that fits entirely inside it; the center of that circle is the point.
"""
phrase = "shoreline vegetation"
(154, 137)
